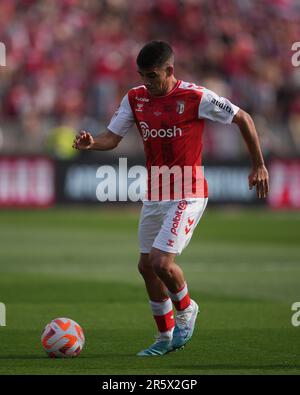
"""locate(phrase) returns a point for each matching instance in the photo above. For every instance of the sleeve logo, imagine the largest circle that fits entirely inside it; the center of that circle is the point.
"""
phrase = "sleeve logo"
(221, 105)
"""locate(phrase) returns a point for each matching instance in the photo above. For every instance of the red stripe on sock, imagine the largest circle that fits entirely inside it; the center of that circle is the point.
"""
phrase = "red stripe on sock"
(165, 322)
(183, 303)
(180, 289)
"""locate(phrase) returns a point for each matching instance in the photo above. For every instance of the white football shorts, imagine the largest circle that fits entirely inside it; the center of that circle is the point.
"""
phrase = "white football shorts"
(169, 225)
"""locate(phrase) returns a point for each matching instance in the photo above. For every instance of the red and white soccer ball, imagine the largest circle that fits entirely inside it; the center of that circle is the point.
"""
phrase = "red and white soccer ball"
(62, 338)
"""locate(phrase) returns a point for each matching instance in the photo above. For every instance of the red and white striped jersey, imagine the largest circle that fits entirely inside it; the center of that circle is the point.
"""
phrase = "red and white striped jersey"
(171, 127)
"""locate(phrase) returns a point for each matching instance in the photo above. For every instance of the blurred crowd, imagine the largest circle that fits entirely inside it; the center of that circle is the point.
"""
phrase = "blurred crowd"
(69, 62)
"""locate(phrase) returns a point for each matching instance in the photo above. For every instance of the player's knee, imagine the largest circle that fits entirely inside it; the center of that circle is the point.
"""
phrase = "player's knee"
(142, 268)
(144, 265)
(160, 264)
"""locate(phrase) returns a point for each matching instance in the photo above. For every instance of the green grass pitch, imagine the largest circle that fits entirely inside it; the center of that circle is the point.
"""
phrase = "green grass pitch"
(243, 268)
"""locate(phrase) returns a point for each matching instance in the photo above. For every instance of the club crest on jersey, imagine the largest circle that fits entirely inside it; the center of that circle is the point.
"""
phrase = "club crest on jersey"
(180, 107)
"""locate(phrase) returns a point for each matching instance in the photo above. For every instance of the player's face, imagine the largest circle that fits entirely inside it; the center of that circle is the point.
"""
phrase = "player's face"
(157, 79)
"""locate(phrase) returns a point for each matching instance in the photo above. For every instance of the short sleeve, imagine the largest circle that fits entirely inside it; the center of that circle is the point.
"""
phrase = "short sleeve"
(122, 119)
(216, 108)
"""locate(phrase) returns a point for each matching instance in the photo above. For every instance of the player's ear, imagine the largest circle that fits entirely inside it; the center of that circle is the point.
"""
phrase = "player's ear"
(170, 71)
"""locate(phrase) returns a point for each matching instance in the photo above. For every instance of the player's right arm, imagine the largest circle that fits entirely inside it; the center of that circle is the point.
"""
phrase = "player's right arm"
(103, 142)
(119, 125)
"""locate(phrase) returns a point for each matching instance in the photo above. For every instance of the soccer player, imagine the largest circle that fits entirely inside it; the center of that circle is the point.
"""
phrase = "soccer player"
(170, 116)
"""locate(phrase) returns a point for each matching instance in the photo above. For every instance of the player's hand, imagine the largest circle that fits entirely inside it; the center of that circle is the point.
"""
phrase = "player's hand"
(83, 141)
(259, 177)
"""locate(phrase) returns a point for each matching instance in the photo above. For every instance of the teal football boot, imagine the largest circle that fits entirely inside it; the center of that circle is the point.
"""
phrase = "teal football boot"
(185, 324)
(160, 347)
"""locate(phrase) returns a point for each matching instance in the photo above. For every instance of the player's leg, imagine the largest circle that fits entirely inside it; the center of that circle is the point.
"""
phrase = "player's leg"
(172, 276)
(160, 302)
(156, 289)
(162, 309)
(180, 220)
(164, 267)
(159, 299)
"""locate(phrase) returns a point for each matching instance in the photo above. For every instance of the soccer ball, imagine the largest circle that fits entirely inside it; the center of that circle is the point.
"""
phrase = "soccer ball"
(62, 338)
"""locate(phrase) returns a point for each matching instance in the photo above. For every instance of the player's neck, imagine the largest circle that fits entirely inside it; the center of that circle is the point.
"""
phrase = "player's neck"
(170, 85)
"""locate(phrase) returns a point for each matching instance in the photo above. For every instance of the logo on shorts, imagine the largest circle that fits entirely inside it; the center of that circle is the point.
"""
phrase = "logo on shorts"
(170, 242)
(188, 228)
(176, 220)
(182, 205)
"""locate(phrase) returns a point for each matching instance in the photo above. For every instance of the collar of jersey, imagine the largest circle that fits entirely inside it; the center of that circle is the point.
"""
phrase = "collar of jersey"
(168, 94)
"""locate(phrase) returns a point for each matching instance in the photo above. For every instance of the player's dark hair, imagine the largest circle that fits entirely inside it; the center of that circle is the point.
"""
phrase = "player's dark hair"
(154, 54)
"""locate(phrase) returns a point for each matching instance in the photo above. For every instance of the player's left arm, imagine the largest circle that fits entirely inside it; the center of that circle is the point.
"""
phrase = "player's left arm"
(258, 176)
(220, 109)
